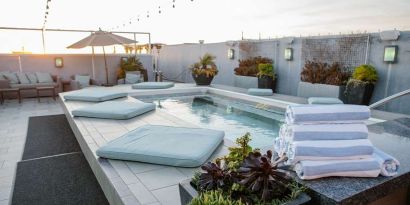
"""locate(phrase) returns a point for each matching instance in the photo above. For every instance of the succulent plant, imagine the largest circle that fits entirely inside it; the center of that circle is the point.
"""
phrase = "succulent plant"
(214, 197)
(263, 177)
(213, 178)
(237, 154)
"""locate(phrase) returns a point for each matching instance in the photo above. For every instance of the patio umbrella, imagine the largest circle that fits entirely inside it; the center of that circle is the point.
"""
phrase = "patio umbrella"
(102, 38)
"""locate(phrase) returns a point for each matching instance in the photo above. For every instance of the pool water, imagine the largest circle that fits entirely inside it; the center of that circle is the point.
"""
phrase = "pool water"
(221, 113)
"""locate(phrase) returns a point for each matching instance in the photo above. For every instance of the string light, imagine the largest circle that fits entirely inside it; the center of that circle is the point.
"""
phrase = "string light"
(173, 3)
(46, 13)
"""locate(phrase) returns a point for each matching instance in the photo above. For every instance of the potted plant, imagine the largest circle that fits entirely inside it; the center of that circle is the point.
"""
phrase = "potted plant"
(246, 72)
(320, 79)
(205, 70)
(244, 176)
(266, 76)
(131, 64)
(359, 88)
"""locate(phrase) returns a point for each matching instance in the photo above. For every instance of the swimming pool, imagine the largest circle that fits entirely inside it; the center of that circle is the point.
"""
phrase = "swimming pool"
(235, 117)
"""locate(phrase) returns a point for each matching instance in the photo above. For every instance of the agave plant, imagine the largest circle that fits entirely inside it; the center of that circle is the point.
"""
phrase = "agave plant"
(213, 178)
(205, 66)
(263, 177)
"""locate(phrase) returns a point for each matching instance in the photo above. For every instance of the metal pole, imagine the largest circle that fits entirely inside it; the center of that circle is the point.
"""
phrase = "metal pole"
(106, 68)
(135, 44)
(92, 62)
(44, 43)
(149, 43)
(20, 67)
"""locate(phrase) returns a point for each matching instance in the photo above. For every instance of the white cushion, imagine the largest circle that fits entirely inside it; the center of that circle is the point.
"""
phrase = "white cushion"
(44, 77)
(84, 80)
(12, 77)
(94, 95)
(131, 78)
(23, 78)
(32, 77)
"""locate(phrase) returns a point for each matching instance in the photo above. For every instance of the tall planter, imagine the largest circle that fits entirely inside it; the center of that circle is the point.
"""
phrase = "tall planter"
(187, 192)
(267, 82)
(202, 79)
(245, 81)
(359, 93)
(306, 90)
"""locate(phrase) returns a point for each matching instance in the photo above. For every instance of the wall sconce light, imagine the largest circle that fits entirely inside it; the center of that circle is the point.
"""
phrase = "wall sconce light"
(58, 62)
(288, 54)
(390, 54)
(231, 54)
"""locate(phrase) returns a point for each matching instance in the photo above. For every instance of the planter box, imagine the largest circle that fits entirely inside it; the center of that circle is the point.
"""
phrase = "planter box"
(245, 81)
(267, 83)
(187, 193)
(320, 90)
(359, 94)
(202, 79)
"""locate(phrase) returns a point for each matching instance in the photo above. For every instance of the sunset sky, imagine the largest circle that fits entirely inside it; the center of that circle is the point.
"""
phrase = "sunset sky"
(190, 21)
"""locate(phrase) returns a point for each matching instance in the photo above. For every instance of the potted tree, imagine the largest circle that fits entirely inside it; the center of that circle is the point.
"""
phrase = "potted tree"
(359, 88)
(246, 72)
(266, 76)
(320, 79)
(244, 176)
(132, 63)
(205, 70)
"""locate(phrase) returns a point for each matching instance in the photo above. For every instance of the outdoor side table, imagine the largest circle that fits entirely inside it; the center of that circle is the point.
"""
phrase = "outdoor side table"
(50, 88)
(9, 90)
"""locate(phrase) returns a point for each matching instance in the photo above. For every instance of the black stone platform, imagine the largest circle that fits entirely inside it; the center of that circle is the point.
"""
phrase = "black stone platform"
(392, 137)
(53, 169)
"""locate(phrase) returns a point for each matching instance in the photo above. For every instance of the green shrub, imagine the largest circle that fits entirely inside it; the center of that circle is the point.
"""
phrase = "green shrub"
(365, 73)
(238, 154)
(249, 66)
(214, 197)
(266, 69)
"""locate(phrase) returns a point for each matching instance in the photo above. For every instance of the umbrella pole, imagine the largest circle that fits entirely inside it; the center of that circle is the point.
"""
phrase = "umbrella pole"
(92, 62)
(106, 69)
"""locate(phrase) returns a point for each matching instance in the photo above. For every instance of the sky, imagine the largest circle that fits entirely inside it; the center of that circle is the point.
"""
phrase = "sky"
(191, 21)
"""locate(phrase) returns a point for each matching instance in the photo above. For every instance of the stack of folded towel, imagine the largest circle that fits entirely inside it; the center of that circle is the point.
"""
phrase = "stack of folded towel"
(331, 140)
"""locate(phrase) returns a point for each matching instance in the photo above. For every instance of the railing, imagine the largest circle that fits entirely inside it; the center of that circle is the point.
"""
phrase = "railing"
(388, 99)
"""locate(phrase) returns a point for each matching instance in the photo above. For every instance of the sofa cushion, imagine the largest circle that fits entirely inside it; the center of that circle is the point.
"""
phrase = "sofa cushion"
(157, 144)
(260, 92)
(12, 77)
(33, 85)
(23, 78)
(94, 95)
(324, 101)
(118, 110)
(83, 80)
(32, 77)
(131, 78)
(153, 85)
(44, 77)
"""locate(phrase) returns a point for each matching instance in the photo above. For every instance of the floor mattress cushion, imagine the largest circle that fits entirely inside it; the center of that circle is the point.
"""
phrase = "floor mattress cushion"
(153, 85)
(260, 92)
(157, 144)
(118, 110)
(94, 95)
(324, 101)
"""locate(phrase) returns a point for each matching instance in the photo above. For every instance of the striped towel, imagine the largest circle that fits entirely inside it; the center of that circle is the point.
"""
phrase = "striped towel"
(325, 132)
(330, 114)
(388, 164)
(329, 150)
(337, 168)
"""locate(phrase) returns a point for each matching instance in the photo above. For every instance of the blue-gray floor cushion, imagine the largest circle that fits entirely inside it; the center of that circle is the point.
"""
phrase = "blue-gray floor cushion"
(153, 85)
(260, 92)
(157, 144)
(324, 101)
(94, 95)
(118, 110)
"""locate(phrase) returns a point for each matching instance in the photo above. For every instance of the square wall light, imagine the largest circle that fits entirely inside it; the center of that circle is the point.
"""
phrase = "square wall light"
(58, 62)
(390, 54)
(288, 54)
(231, 53)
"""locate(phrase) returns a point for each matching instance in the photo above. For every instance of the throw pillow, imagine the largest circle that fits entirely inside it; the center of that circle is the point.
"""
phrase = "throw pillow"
(32, 77)
(132, 78)
(44, 77)
(12, 77)
(84, 80)
(23, 78)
